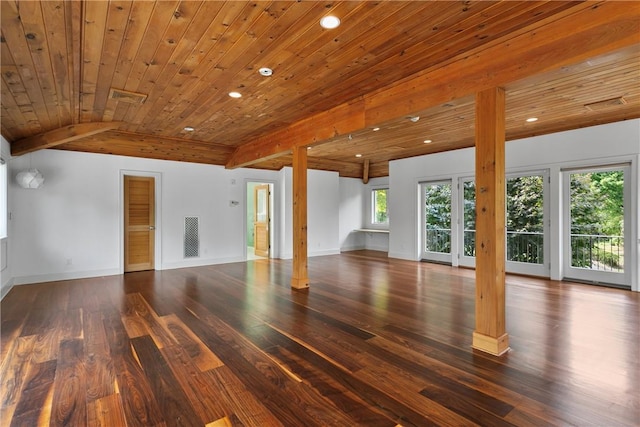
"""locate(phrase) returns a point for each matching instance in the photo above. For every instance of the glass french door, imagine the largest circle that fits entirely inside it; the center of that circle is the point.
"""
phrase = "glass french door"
(436, 220)
(467, 245)
(597, 214)
(527, 223)
(526, 216)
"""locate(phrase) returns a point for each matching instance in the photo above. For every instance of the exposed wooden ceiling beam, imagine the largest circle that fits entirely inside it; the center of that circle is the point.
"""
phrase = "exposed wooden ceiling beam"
(588, 30)
(60, 136)
(322, 126)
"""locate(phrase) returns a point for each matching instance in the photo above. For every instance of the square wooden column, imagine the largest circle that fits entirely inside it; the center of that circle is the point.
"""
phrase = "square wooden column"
(490, 334)
(299, 276)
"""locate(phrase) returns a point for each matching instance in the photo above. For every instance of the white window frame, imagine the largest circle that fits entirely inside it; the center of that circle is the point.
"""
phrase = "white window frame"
(372, 211)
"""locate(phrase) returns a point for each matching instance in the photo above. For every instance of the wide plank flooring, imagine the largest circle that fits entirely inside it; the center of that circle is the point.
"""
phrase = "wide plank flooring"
(373, 342)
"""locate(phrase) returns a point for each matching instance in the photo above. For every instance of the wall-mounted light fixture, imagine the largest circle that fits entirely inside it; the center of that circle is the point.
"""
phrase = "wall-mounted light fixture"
(30, 178)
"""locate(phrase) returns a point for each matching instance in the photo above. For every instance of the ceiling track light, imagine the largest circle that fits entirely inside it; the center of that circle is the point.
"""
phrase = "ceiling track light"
(414, 119)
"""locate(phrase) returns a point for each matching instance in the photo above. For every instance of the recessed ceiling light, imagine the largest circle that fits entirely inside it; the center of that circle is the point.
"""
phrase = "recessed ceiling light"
(414, 119)
(308, 148)
(189, 128)
(265, 71)
(358, 155)
(235, 94)
(427, 141)
(376, 129)
(532, 119)
(330, 22)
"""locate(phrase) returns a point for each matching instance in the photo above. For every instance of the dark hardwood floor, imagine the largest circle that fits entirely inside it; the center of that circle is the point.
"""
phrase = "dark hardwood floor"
(373, 342)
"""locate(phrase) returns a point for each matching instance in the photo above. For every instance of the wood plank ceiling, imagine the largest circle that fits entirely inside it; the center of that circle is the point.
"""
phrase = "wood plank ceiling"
(61, 61)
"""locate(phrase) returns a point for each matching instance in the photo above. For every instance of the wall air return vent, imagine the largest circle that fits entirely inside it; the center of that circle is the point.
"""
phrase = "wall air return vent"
(191, 237)
(126, 96)
(607, 103)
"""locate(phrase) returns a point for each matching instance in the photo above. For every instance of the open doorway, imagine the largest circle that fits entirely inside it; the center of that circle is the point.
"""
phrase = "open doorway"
(259, 215)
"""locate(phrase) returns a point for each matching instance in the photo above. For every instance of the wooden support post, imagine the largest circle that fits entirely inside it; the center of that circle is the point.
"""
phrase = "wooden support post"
(490, 334)
(299, 276)
(365, 171)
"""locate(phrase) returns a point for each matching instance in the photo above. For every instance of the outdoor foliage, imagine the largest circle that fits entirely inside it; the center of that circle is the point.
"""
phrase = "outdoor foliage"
(381, 215)
(596, 219)
(438, 216)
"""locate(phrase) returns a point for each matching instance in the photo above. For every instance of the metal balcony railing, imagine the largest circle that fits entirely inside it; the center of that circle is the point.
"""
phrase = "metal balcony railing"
(597, 252)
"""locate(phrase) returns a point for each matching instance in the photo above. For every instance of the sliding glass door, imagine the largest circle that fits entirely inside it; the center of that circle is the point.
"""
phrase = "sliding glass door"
(597, 215)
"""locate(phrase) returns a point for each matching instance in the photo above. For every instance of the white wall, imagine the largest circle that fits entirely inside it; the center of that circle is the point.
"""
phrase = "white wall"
(351, 214)
(6, 279)
(323, 207)
(72, 226)
(610, 143)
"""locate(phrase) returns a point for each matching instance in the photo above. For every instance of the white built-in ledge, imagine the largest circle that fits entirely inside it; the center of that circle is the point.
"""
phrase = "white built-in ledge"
(371, 230)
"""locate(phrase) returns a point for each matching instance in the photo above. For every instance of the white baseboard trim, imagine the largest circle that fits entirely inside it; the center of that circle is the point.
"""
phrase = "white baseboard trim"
(381, 248)
(6, 287)
(403, 255)
(199, 262)
(55, 277)
(324, 253)
(352, 248)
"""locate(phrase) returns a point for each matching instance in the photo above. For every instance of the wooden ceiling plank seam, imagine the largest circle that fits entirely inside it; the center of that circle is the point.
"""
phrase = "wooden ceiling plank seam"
(53, 14)
(297, 72)
(15, 36)
(314, 22)
(94, 26)
(118, 14)
(73, 28)
(226, 79)
(393, 55)
(139, 18)
(187, 76)
(238, 51)
(227, 18)
(12, 84)
(418, 94)
(541, 84)
(33, 25)
(240, 63)
(185, 15)
(536, 52)
(156, 26)
(132, 136)
(307, 24)
(12, 117)
(166, 82)
(337, 121)
(59, 136)
(467, 33)
(488, 44)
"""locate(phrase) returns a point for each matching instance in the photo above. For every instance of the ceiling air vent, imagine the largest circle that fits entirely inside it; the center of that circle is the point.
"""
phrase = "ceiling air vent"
(607, 103)
(126, 96)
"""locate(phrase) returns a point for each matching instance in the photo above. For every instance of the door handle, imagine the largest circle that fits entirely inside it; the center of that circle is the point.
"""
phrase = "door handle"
(152, 227)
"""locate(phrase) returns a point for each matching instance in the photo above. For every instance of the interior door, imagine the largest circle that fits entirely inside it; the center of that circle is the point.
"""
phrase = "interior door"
(139, 223)
(261, 220)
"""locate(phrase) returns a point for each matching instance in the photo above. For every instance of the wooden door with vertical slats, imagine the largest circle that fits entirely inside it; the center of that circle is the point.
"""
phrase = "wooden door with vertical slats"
(139, 223)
